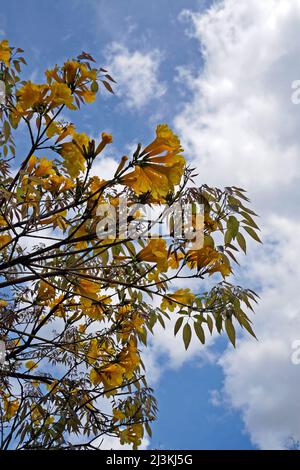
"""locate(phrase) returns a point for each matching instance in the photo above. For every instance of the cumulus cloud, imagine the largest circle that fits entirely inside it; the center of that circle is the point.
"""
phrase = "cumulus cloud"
(136, 73)
(104, 167)
(260, 379)
(240, 127)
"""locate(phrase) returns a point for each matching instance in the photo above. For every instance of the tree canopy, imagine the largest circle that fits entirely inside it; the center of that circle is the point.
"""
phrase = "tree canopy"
(76, 306)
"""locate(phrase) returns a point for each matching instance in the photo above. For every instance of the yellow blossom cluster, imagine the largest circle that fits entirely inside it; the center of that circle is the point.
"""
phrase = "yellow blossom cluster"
(5, 52)
(161, 166)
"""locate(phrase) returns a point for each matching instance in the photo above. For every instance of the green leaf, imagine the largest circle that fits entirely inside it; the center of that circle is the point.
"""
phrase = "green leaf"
(219, 322)
(228, 237)
(161, 321)
(252, 234)
(143, 336)
(244, 322)
(230, 330)
(94, 87)
(148, 429)
(178, 325)
(233, 201)
(209, 241)
(6, 130)
(242, 242)
(199, 332)
(249, 220)
(210, 323)
(233, 225)
(187, 335)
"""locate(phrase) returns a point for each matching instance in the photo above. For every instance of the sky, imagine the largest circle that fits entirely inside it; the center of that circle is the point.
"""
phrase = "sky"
(220, 73)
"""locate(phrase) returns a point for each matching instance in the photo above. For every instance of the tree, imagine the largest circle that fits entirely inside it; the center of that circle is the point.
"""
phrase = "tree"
(76, 307)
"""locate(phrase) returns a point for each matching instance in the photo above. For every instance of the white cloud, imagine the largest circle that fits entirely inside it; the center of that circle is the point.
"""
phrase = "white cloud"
(260, 379)
(104, 167)
(136, 74)
(240, 97)
(241, 128)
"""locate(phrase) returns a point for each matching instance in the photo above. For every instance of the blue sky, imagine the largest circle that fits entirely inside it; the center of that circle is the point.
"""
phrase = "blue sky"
(227, 106)
(52, 32)
(188, 419)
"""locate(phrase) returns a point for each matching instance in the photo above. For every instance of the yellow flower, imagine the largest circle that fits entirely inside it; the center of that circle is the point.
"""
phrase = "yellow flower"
(177, 299)
(57, 220)
(61, 94)
(134, 323)
(88, 95)
(15, 116)
(222, 266)
(36, 415)
(31, 95)
(209, 259)
(110, 376)
(32, 162)
(121, 164)
(93, 351)
(46, 291)
(165, 140)
(87, 74)
(154, 277)
(118, 415)
(132, 435)
(4, 240)
(81, 328)
(88, 288)
(95, 308)
(123, 309)
(70, 69)
(130, 359)
(10, 407)
(156, 173)
(73, 73)
(106, 139)
(202, 258)
(72, 153)
(66, 184)
(174, 260)
(3, 222)
(57, 183)
(44, 167)
(54, 128)
(95, 184)
(155, 252)
(52, 74)
(3, 303)
(4, 52)
(58, 304)
(31, 365)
